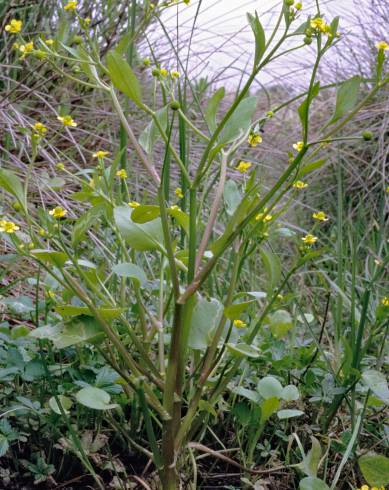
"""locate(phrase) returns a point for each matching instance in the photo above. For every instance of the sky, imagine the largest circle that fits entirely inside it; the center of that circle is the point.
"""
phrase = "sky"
(223, 43)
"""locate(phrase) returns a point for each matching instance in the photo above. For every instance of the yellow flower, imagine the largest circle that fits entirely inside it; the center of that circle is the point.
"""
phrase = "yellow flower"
(100, 154)
(48, 42)
(240, 324)
(299, 184)
(320, 216)
(134, 204)
(67, 121)
(58, 212)
(163, 72)
(40, 129)
(254, 139)
(26, 49)
(14, 26)
(175, 208)
(382, 45)
(8, 227)
(60, 166)
(385, 301)
(178, 193)
(387, 189)
(174, 74)
(122, 174)
(87, 21)
(71, 5)
(243, 167)
(51, 294)
(298, 146)
(264, 216)
(270, 113)
(319, 25)
(309, 239)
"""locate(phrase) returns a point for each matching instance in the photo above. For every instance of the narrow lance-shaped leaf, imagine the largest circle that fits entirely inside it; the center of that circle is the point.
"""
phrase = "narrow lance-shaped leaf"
(260, 40)
(213, 107)
(123, 77)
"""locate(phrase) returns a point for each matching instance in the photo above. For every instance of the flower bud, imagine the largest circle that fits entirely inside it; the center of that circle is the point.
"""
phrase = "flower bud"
(289, 3)
(155, 72)
(367, 135)
(307, 40)
(17, 206)
(174, 105)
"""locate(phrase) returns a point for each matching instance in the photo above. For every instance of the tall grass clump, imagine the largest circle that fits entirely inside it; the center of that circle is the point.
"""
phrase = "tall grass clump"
(167, 283)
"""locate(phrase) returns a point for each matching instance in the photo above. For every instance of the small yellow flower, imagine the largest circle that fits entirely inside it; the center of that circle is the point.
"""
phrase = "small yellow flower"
(48, 42)
(100, 154)
(254, 139)
(174, 74)
(67, 121)
(51, 294)
(264, 216)
(122, 174)
(309, 239)
(175, 207)
(320, 216)
(299, 184)
(243, 167)
(382, 45)
(40, 129)
(240, 324)
(134, 204)
(298, 146)
(87, 21)
(163, 72)
(26, 49)
(387, 189)
(270, 113)
(14, 26)
(60, 166)
(58, 212)
(385, 301)
(8, 227)
(319, 25)
(178, 193)
(71, 5)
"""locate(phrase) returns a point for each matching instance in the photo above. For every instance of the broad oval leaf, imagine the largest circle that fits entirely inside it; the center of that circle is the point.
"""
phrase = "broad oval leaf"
(311, 483)
(240, 121)
(280, 323)
(145, 213)
(132, 271)
(95, 398)
(234, 311)
(269, 387)
(289, 413)
(205, 317)
(72, 310)
(51, 256)
(65, 402)
(290, 393)
(12, 184)
(123, 77)
(243, 350)
(146, 236)
(375, 469)
(377, 383)
(232, 197)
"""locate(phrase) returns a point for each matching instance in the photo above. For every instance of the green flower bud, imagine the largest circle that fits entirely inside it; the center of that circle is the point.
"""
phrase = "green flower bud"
(307, 40)
(155, 72)
(367, 135)
(77, 39)
(289, 3)
(17, 206)
(174, 105)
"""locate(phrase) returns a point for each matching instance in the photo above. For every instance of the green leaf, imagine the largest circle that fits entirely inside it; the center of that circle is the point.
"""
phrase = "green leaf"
(133, 271)
(86, 222)
(243, 350)
(205, 406)
(232, 197)
(145, 213)
(240, 121)
(310, 462)
(375, 469)
(272, 265)
(4, 445)
(377, 383)
(311, 483)
(150, 135)
(12, 184)
(65, 402)
(304, 107)
(289, 413)
(72, 310)
(346, 98)
(123, 77)
(280, 322)
(268, 407)
(181, 218)
(147, 236)
(234, 311)
(269, 387)
(95, 398)
(51, 256)
(311, 167)
(205, 318)
(259, 34)
(212, 108)
(251, 395)
(290, 393)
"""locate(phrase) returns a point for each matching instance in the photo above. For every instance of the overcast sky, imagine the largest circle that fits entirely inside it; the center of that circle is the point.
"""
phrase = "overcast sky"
(223, 44)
